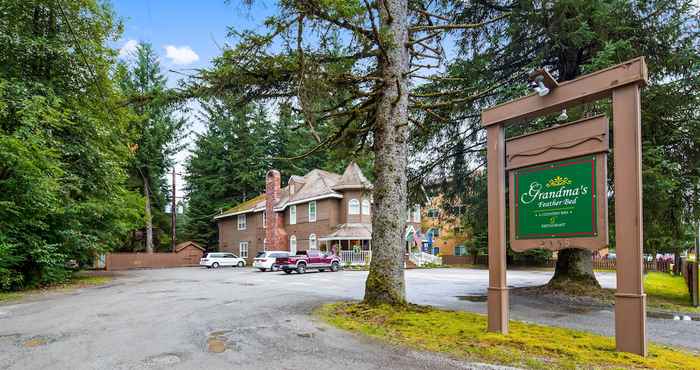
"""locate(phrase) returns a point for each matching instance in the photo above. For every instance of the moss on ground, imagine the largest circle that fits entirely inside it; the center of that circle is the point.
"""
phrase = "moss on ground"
(78, 280)
(463, 335)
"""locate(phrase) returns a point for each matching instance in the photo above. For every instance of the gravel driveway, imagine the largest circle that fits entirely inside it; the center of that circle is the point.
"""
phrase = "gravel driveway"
(244, 319)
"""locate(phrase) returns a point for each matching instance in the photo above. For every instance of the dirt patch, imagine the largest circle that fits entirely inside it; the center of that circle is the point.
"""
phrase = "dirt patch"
(218, 342)
(34, 342)
(601, 299)
(216, 345)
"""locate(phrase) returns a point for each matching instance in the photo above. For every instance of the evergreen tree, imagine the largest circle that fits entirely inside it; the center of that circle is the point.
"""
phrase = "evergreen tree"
(227, 165)
(157, 133)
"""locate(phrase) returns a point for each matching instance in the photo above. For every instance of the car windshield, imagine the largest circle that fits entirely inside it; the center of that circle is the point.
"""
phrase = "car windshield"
(260, 254)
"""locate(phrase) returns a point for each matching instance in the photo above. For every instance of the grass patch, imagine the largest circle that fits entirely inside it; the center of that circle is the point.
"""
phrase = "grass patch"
(668, 292)
(463, 335)
(77, 280)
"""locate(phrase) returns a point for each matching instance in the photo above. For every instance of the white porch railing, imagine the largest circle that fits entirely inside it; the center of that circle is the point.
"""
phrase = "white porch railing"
(355, 258)
(421, 258)
(364, 257)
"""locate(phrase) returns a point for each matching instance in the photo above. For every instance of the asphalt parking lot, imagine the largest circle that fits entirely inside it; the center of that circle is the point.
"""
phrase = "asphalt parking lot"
(244, 319)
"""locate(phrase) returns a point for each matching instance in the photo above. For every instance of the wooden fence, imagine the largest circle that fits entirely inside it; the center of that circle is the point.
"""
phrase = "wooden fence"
(606, 264)
(126, 261)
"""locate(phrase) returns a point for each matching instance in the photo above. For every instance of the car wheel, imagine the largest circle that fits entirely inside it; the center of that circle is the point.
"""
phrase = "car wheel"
(263, 270)
(241, 264)
(287, 272)
(335, 266)
(321, 270)
(215, 265)
(301, 269)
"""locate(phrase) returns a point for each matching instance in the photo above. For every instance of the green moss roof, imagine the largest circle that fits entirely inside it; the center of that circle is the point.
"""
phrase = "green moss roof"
(248, 204)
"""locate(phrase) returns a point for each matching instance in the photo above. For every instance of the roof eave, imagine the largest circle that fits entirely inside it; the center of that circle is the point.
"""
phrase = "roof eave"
(319, 197)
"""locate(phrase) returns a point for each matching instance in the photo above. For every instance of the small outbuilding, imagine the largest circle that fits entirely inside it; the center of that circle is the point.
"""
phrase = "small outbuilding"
(190, 252)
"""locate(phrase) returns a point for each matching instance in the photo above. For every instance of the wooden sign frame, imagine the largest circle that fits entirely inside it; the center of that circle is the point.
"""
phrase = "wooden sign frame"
(587, 137)
(623, 83)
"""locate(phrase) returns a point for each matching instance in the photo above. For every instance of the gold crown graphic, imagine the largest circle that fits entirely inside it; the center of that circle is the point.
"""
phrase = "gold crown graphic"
(558, 181)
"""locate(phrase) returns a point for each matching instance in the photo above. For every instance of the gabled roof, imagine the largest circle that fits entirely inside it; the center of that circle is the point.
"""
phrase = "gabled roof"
(317, 184)
(353, 178)
(186, 244)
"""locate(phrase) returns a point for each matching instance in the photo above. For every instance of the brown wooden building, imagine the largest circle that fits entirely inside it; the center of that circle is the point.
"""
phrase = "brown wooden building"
(320, 210)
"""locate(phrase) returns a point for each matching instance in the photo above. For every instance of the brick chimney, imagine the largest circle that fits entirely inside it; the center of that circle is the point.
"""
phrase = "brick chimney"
(274, 235)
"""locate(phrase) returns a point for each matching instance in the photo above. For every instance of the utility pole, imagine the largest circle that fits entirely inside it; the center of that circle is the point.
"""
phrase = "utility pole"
(173, 213)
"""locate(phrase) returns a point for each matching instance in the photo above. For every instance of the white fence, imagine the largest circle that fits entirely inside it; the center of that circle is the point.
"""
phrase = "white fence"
(364, 257)
(355, 258)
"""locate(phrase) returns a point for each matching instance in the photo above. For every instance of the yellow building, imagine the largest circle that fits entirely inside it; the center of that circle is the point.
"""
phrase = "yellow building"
(445, 230)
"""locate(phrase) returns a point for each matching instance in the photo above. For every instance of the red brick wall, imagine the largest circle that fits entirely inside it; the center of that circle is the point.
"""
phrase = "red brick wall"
(274, 235)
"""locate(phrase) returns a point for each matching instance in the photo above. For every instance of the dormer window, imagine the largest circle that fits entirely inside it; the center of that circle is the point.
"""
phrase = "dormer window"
(354, 207)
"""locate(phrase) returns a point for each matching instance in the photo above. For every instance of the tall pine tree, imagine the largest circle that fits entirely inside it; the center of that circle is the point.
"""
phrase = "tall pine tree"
(157, 132)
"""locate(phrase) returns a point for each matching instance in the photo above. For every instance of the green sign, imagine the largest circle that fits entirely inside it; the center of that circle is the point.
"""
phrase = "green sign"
(556, 200)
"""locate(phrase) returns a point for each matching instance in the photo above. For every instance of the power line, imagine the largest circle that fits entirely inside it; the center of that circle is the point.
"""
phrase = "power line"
(80, 51)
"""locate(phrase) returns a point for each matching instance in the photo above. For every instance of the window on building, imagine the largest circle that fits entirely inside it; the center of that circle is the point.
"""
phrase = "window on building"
(293, 245)
(460, 250)
(312, 242)
(292, 215)
(435, 232)
(416, 213)
(242, 223)
(243, 249)
(264, 216)
(354, 207)
(365, 206)
(312, 211)
(433, 213)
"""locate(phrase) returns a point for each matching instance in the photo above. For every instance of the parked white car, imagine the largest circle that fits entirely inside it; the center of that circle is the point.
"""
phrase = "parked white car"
(267, 261)
(216, 260)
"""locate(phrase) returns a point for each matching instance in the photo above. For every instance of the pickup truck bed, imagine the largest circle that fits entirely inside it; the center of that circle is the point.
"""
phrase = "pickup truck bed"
(306, 260)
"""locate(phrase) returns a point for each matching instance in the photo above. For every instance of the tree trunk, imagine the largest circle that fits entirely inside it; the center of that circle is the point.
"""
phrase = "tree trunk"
(574, 266)
(385, 283)
(149, 218)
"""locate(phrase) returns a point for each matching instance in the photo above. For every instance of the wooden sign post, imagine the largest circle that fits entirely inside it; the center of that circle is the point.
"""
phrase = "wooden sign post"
(558, 188)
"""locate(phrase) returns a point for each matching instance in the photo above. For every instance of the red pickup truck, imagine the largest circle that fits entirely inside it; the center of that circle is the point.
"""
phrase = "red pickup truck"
(305, 260)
